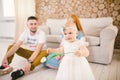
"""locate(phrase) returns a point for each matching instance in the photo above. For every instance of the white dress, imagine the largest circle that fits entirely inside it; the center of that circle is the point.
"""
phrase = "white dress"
(73, 67)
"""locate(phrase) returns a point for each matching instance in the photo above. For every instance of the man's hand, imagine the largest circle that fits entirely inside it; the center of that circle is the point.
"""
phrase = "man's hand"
(4, 61)
(27, 67)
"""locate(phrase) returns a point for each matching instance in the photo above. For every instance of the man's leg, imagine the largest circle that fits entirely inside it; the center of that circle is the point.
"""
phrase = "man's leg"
(36, 62)
(19, 73)
(4, 69)
(24, 53)
(21, 52)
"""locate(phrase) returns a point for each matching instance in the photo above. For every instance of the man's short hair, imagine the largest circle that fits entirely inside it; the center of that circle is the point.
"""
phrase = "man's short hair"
(32, 18)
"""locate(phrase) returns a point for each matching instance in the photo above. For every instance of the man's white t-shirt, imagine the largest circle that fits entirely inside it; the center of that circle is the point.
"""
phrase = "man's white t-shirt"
(31, 41)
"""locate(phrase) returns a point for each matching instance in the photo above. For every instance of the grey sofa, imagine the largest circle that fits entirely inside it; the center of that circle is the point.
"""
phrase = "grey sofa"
(99, 32)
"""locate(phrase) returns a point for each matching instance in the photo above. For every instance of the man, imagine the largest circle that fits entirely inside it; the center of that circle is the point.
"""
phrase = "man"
(33, 49)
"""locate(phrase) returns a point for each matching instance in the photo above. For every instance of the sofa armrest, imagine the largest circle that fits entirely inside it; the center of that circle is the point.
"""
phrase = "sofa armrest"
(107, 40)
(45, 28)
(108, 33)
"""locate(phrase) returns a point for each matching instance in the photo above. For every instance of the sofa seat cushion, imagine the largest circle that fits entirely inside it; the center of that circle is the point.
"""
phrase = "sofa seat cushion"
(93, 41)
(54, 38)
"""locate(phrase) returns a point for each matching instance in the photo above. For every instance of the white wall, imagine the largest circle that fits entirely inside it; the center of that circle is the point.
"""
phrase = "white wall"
(7, 29)
(23, 9)
(7, 25)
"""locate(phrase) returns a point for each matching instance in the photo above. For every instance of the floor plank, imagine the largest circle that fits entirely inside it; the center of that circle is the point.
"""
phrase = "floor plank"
(105, 73)
(118, 67)
(112, 72)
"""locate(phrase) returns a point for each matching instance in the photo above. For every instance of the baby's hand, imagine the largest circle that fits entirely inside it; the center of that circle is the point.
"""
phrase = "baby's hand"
(78, 53)
(49, 50)
(57, 57)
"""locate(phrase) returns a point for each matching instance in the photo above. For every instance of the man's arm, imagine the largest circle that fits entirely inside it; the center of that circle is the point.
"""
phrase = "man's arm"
(32, 57)
(12, 50)
(36, 52)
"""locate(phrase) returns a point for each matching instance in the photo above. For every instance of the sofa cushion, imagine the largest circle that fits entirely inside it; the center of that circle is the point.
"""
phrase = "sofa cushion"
(55, 25)
(45, 28)
(54, 38)
(92, 40)
(93, 26)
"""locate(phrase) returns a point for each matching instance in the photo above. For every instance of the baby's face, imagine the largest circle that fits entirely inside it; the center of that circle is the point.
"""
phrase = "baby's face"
(70, 35)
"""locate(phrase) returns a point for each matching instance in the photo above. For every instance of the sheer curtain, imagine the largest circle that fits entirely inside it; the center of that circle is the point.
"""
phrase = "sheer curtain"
(23, 9)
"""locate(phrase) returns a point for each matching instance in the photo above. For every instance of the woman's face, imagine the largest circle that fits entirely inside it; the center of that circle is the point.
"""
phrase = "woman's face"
(70, 19)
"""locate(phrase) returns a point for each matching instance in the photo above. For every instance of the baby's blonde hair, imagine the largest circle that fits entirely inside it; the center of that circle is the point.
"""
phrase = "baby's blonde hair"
(70, 26)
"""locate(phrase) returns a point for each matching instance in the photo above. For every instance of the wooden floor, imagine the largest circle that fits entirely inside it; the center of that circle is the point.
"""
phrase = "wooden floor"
(108, 72)
(101, 72)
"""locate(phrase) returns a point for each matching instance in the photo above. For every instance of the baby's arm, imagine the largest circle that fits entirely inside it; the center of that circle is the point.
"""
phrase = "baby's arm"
(82, 51)
(57, 50)
(50, 50)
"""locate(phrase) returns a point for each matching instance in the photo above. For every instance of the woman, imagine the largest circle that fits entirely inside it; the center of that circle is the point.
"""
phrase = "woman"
(53, 59)
(74, 19)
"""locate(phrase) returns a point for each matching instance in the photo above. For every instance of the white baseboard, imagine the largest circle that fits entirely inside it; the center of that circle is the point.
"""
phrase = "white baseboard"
(6, 37)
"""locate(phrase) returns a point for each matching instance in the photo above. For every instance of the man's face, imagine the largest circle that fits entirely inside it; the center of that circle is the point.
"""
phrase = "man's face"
(32, 25)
